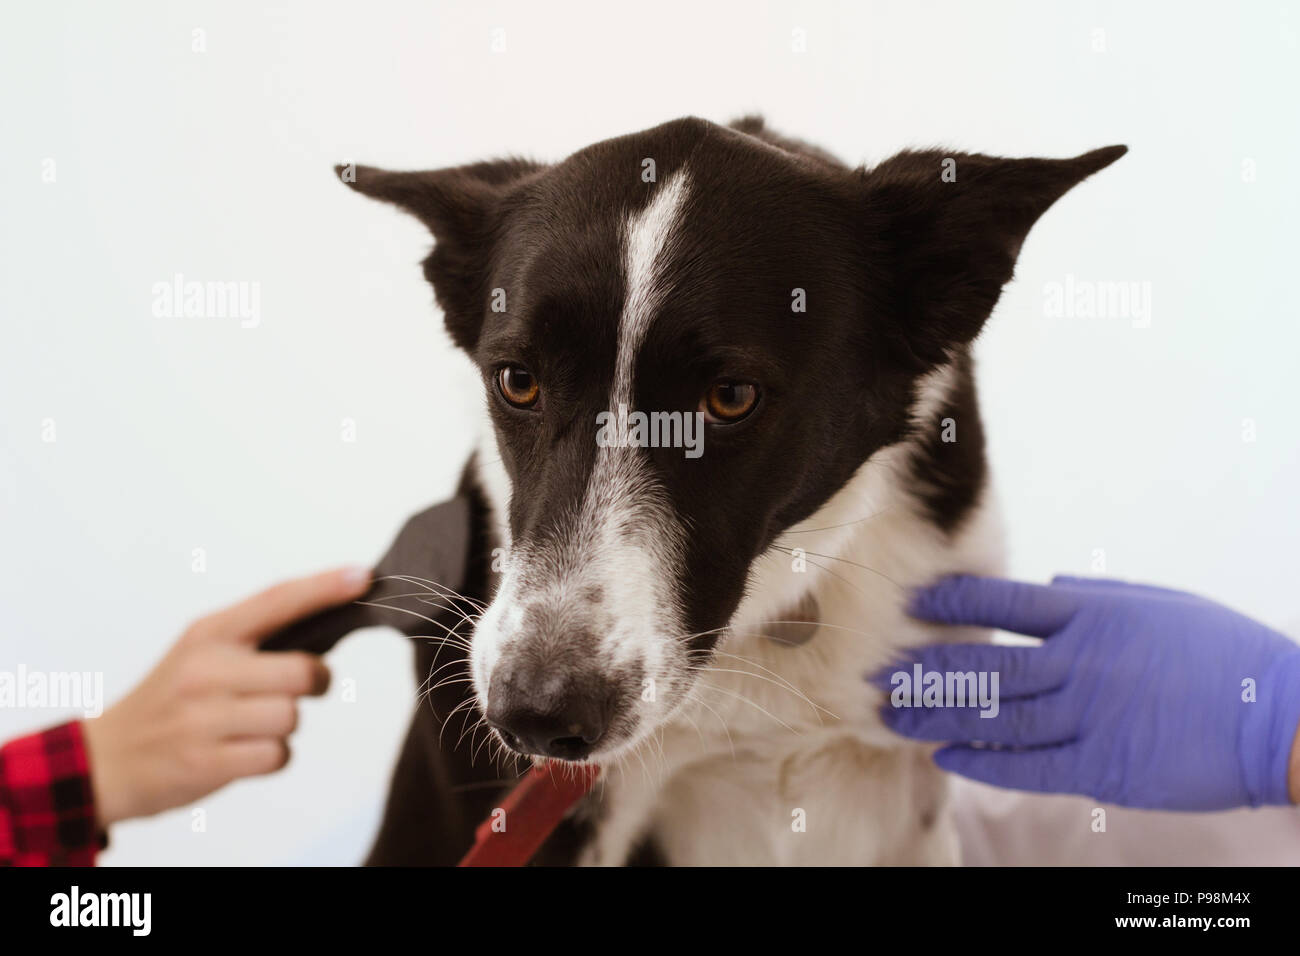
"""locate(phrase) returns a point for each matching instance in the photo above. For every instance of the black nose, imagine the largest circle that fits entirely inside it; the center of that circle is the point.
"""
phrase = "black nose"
(546, 714)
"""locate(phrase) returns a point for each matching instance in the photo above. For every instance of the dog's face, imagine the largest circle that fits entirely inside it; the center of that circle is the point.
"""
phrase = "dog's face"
(769, 312)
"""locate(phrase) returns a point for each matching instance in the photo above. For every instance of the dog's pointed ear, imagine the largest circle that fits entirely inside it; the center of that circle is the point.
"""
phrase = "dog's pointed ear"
(463, 208)
(952, 225)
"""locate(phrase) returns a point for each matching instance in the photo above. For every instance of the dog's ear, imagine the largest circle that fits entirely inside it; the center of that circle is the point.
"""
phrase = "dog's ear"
(463, 208)
(952, 225)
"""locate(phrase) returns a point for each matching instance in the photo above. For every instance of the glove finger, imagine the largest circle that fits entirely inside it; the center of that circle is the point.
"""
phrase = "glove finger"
(1047, 770)
(1030, 609)
(1022, 671)
(1029, 722)
(1120, 588)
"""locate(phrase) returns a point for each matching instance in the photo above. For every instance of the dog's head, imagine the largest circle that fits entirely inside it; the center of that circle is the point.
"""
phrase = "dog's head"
(689, 338)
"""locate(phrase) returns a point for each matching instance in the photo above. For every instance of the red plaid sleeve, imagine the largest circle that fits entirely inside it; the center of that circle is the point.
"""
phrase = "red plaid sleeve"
(47, 805)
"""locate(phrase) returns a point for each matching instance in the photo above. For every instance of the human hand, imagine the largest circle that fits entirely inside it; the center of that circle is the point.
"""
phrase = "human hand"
(1139, 696)
(215, 708)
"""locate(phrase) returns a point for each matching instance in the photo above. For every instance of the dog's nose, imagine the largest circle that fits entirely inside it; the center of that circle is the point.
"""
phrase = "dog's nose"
(546, 714)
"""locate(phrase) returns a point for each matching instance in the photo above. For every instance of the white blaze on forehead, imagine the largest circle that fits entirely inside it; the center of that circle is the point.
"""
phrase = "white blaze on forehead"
(647, 236)
(632, 541)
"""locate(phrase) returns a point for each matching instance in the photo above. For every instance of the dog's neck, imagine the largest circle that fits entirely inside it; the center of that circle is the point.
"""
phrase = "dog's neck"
(916, 509)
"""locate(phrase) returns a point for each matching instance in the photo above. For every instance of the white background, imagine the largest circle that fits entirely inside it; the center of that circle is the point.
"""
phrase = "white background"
(176, 434)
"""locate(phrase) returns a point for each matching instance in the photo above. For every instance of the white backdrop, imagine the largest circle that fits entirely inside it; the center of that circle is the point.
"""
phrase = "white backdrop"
(175, 434)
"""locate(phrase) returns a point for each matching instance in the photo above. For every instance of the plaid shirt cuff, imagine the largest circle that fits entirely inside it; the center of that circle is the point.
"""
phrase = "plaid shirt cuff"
(47, 805)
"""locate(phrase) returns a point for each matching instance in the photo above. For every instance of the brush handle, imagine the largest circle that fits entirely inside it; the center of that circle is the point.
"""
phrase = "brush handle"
(433, 546)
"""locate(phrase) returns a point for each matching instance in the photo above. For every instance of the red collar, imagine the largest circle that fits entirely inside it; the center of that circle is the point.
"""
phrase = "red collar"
(530, 814)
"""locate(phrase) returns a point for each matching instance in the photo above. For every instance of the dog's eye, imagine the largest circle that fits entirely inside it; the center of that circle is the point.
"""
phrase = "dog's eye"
(518, 387)
(727, 402)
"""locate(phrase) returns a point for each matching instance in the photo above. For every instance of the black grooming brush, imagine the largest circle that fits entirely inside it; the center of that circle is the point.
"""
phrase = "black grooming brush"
(420, 577)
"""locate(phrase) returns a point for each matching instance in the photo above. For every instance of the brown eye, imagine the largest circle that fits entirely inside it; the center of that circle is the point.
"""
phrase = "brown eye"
(727, 402)
(518, 386)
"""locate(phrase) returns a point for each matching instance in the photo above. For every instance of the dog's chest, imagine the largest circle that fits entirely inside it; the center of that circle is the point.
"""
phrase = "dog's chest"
(837, 803)
(780, 759)
(822, 794)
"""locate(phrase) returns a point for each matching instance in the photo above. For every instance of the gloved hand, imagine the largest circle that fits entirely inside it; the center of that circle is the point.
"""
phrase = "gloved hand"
(1139, 696)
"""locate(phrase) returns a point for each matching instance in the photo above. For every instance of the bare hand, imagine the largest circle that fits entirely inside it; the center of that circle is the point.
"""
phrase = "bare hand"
(215, 708)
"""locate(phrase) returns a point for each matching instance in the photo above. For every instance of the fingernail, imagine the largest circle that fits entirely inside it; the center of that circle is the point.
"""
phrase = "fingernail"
(880, 678)
(916, 602)
(356, 577)
(884, 678)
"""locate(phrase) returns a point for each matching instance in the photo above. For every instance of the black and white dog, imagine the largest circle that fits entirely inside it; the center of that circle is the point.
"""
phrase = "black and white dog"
(698, 620)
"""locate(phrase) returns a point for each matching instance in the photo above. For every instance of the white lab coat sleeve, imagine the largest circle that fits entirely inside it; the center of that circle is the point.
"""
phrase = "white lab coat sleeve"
(1008, 828)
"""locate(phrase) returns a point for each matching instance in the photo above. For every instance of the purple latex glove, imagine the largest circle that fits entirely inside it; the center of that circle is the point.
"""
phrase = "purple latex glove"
(1135, 697)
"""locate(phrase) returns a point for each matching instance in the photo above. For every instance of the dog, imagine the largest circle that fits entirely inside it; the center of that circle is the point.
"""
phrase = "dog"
(701, 626)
